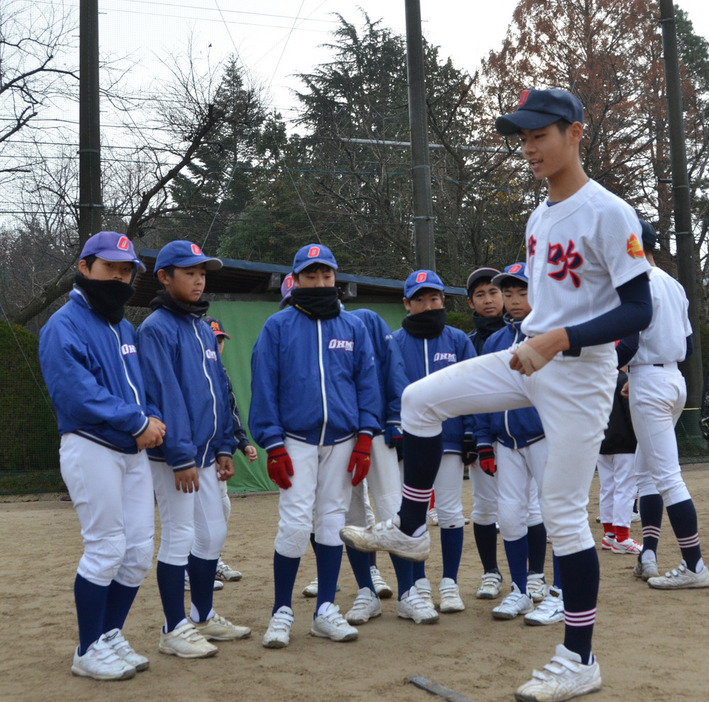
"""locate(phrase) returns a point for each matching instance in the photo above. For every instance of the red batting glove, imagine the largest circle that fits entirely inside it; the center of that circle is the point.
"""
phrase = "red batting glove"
(359, 460)
(486, 456)
(280, 467)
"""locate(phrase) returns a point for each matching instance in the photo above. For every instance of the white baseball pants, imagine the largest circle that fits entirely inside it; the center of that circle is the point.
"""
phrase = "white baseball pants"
(619, 486)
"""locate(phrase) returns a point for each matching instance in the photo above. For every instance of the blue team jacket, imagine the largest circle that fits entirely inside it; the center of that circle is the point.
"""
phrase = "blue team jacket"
(312, 380)
(391, 374)
(185, 379)
(513, 428)
(425, 356)
(92, 373)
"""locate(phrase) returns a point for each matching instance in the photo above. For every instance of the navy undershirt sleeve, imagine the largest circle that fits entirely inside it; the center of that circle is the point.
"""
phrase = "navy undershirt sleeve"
(626, 348)
(632, 315)
(690, 346)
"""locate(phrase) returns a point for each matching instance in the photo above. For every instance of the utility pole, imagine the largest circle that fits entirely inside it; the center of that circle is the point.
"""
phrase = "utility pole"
(420, 166)
(686, 270)
(90, 200)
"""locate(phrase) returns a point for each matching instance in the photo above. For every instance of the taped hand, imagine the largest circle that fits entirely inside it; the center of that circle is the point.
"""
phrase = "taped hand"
(528, 359)
(280, 467)
(486, 456)
(359, 460)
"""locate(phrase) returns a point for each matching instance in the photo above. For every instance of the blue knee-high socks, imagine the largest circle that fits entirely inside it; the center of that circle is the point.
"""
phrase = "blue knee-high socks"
(422, 457)
(683, 517)
(285, 570)
(90, 611)
(451, 551)
(202, 572)
(328, 560)
(360, 564)
(118, 603)
(171, 584)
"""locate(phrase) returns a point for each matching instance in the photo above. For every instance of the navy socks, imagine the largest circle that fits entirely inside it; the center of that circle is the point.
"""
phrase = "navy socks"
(171, 584)
(118, 603)
(90, 611)
(285, 571)
(422, 456)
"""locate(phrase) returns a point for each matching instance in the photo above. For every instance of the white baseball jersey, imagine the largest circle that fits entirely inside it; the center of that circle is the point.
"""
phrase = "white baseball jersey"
(572, 249)
(664, 340)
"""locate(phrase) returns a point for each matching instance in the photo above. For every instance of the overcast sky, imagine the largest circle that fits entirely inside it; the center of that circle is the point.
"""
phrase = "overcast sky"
(276, 38)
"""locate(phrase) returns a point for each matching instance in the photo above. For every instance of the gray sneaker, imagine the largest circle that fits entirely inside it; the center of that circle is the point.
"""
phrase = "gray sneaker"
(413, 606)
(186, 642)
(563, 678)
(386, 536)
(101, 662)
(549, 611)
(332, 625)
(365, 607)
(646, 570)
(515, 603)
(489, 587)
(680, 578)
(536, 586)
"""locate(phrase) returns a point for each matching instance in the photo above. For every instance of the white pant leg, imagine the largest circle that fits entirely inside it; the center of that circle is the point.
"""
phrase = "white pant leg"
(96, 479)
(536, 456)
(176, 510)
(657, 397)
(606, 477)
(645, 481)
(226, 502)
(357, 513)
(513, 480)
(384, 479)
(209, 524)
(333, 493)
(448, 488)
(625, 488)
(485, 495)
(139, 520)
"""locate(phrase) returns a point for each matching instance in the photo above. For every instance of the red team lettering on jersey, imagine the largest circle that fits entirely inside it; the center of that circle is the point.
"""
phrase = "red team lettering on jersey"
(568, 259)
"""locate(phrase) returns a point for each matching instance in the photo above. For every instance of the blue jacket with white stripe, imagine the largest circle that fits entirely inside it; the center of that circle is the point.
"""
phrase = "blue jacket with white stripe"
(93, 376)
(313, 380)
(185, 379)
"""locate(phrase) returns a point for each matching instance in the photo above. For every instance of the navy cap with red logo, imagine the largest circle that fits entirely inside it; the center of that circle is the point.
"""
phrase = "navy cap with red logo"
(183, 254)
(540, 108)
(216, 326)
(111, 246)
(313, 253)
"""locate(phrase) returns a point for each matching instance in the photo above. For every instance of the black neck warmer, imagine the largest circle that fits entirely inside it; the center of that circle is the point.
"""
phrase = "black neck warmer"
(425, 325)
(485, 326)
(164, 299)
(316, 303)
(107, 297)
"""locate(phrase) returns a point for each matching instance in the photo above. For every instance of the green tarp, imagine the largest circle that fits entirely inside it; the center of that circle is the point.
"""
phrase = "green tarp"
(243, 320)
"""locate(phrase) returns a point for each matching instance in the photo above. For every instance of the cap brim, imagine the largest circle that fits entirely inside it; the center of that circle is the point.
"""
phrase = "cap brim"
(524, 119)
(480, 273)
(312, 261)
(423, 286)
(117, 256)
(499, 279)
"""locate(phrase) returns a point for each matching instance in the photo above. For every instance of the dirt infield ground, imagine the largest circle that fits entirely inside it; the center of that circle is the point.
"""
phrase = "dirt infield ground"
(651, 645)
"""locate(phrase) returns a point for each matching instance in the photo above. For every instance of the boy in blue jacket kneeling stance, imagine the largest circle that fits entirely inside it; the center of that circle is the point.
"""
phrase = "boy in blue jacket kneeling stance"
(313, 393)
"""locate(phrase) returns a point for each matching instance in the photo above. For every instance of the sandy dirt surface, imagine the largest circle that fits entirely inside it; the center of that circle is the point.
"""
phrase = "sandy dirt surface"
(651, 645)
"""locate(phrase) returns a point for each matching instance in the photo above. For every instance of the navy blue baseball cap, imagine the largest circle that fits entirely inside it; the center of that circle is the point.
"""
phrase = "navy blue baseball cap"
(112, 246)
(313, 253)
(540, 108)
(486, 273)
(422, 279)
(649, 235)
(517, 271)
(184, 254)
(216, 326)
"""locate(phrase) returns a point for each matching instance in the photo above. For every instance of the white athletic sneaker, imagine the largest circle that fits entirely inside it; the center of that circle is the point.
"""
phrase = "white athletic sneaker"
(124, 650)
(278, 633)
(225, 572)
(332, 625)
(432, 517)
(536, 586)
(515, 603)
(607, 541)
(186, 642)
(217, 585)
(425, 591)
(384, 592)
(219, 628)
(365, 607)
(680, 578)
(628, 546)
(646, 569)
(311, 590)
(635, 517)
(563, 678)
(101, 662)
(386, 536)
(549, 611)
(490, 587)
(450, 596)
(413, 606)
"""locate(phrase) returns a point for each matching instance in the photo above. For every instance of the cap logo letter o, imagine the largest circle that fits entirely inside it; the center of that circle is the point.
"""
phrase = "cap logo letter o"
(196, 250)
(313, 252)
(516, 268)
(123, 243)
(421, 277)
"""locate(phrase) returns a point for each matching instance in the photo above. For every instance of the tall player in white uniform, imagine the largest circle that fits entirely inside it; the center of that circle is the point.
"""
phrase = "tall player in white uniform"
(657, 396)
(587, 287)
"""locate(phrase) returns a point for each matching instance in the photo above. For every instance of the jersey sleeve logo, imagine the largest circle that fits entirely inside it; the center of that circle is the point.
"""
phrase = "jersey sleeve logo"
(568, 259)
(634, 248)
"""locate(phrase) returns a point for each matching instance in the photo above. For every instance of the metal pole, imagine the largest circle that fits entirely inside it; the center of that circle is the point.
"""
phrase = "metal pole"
(686, 271)
(420, 168)
(90, 201)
